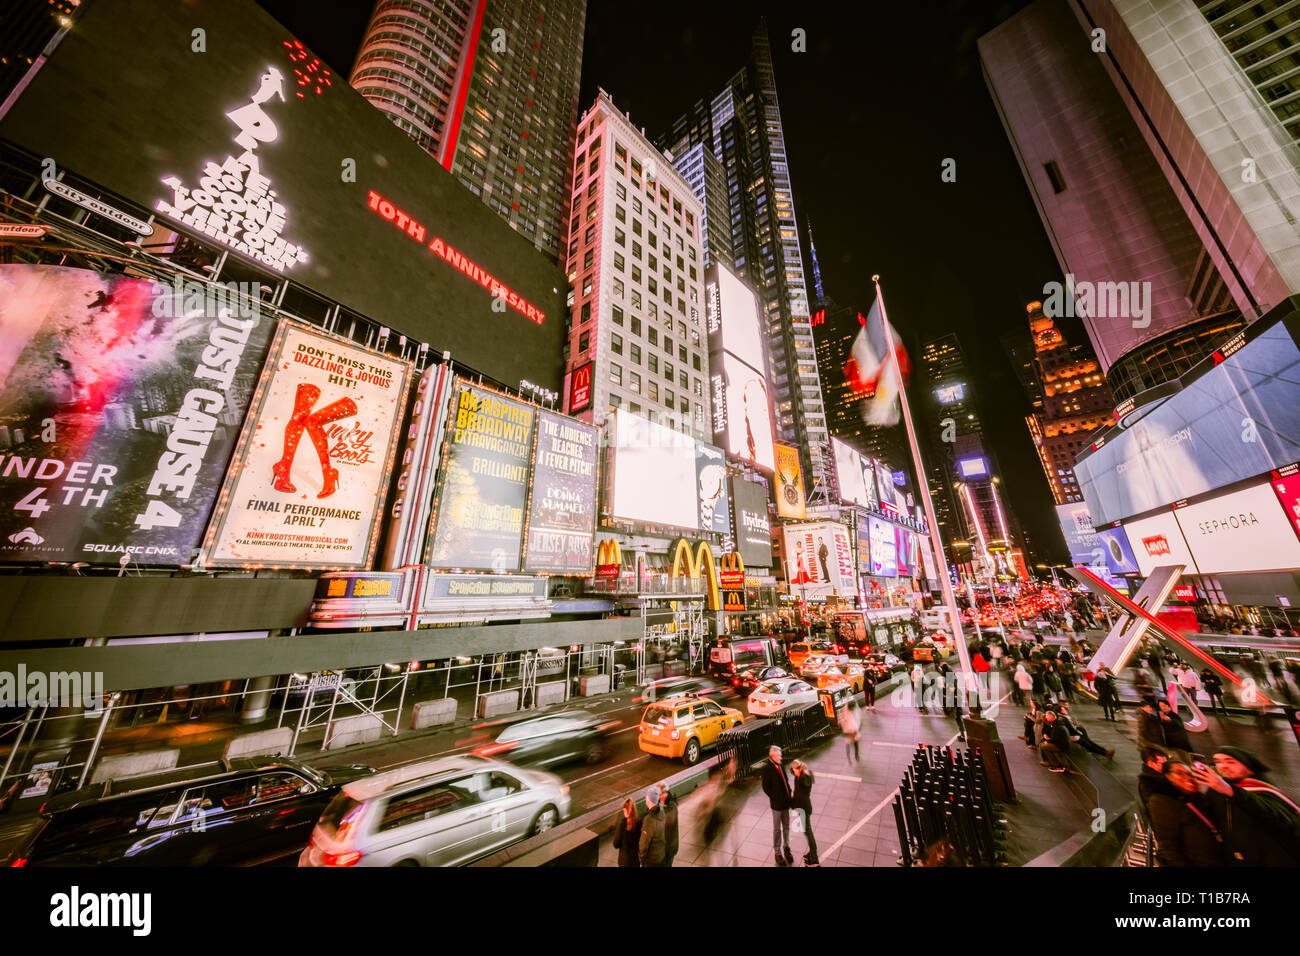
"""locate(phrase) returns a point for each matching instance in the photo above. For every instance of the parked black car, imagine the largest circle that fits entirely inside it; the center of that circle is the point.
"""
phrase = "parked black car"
(751, 677)
(259, 810)
(552, 740)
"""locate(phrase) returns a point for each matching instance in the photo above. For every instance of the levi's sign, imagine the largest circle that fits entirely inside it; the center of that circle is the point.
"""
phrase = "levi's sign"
(453, 258)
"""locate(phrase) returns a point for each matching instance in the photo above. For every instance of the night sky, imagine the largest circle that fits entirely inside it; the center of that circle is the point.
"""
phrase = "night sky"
(881, 97)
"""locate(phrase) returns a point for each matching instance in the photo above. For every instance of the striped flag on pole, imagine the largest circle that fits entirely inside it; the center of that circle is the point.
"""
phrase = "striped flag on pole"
(869, 370)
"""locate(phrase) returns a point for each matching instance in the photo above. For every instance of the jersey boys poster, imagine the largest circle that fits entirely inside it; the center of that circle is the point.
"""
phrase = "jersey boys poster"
(480, 520)
(562, 511)
(120, 403)
(311, 472)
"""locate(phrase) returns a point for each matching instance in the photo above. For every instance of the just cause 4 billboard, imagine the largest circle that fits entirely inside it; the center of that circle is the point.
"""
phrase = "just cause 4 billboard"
(254, 145)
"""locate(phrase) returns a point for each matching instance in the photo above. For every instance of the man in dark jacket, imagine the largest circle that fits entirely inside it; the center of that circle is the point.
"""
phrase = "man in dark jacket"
(1260, 824)
(1185, 835)
(1214, 689)
(653, 824)
(779, 795)
(1079, 735)
(1107, 692)
(668, 801)
(1175, 730)
(1152, 778)
(1056, 743)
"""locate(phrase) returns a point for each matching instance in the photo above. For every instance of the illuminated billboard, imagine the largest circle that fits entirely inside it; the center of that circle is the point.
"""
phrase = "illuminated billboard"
(884, 548)
(753, 528)
(654, 474)
(1286, 485)
(1158, 542)
(819, 559)
(903, 550)
(315, 503)
(856, 476)
(711, 482)
(1080, 537)
(580, 388)
(972, 467)
(1117, 551)
(484, 482)
(1244, 530)
(742, 411)
(1233, 419)
(947, 394)
(120, 404)
(562, 507)
(789, 483)
(230, 145)
(733, 317)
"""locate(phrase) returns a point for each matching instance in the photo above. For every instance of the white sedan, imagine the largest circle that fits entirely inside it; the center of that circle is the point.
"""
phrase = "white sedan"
(771, 696)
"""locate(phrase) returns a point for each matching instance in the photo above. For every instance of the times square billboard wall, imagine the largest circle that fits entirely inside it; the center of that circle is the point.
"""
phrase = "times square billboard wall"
(120, 404)
(819, 559)
(310, 476)
(1236, 417)
(257, 146)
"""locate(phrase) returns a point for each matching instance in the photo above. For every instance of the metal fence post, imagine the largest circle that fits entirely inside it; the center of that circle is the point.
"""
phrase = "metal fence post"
(13, 751)
(99, 736)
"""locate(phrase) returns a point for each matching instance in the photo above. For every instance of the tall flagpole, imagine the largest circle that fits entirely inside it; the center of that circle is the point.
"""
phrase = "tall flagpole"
(922, 479)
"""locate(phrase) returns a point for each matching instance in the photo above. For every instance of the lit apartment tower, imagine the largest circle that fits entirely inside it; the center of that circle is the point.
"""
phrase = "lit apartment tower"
(742, 126)
(708, 181)
(942, 415)
(1105, 197)
(490, 89)
(636, 269)
(1076, 403)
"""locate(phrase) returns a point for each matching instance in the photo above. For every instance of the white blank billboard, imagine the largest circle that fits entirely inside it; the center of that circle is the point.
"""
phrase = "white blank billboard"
(1158, 542)
(856, 476)
(654, 474)
(1243, 531)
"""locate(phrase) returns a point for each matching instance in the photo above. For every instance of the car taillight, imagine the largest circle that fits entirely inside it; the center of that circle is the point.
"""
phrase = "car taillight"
(676, 735)
(346, 858)
(21, 861)
(493, 749)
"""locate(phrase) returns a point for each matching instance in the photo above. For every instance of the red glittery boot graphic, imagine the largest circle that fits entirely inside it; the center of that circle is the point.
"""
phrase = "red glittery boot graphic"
(302, 403)
(330, 413)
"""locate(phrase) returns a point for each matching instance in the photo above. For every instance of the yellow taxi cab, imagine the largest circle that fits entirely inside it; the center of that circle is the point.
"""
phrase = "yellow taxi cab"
(801, 651)
(684, 726)
(831, 676)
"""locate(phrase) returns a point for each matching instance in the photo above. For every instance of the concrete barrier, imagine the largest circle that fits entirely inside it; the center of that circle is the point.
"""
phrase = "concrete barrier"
(675, 668)
(276, 741)
(362, 729)
(138, 764)
(430, 713)
(497, 703)
(591, 686)
(551, 692)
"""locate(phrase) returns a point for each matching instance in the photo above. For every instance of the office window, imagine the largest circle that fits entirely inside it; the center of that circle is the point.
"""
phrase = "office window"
(636, 247)
(636, 208)
(615, 373)
(618, 288)
(620, 190)
(616, 344)
(699, 387)
(1054, 176)
(682, 380)
(591, 235)
(636, 299)
(620, 237)
(654, 310)
(591, 211)
(652, 362)
(652, 392)
(652, 284)
(614, 403)
(636, 273)
(586, 313)
(653, 334)
(668, 370)
(634, 382)
(634, 408)
(584, 341)
(586, 285)
(618, 260)
(635, 354)
(589, 259)
(695, 360)
(668, 397)
(668, 345)
(620, 213)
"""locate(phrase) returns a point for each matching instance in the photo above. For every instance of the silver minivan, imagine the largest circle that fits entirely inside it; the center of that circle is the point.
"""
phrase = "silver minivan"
(442, 812)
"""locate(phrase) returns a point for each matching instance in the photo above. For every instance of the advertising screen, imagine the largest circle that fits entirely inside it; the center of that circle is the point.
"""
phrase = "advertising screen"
(1237, 420)
(947, 394)
(742, 411)
(732, 313)
(231, 144)
(311, 471)
(884, 482)
(655, 477)
(1286, 485)
(856, 476)
(862, 538)
(819, 559)
(902, 550)
(562, 509)
(972, 467)
(1117, 551)
(1245, 530)
(1158, 542)
(120, 403)
(484, 484)
(753, 529)
(580, 388)
(884, 548)
(789, 483)
(1080, 537)
(711, 481)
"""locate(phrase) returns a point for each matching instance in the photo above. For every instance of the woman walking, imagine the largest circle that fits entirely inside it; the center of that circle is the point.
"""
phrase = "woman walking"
(801, 803)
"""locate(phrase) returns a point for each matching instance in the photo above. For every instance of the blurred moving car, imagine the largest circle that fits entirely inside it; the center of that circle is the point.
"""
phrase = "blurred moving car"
(259, 810)
(834, 676)
(748, 679)
(684, 726)
(441, 812)
(802, 650)
(773, 695)
(553, 739)
(678, 686)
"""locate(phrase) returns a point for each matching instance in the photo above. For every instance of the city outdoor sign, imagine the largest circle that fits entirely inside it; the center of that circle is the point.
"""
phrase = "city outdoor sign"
(96, 206)
(20, 230)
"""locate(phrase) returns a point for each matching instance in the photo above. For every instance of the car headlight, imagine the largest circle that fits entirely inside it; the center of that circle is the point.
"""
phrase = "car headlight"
(565, 790)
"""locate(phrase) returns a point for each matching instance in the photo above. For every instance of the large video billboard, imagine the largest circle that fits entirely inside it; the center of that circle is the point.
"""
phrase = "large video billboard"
(120, 403)
(1237, 420)
(742, 411)
(655, 478)
(819, 559)
(562, 509)
(711, 481)
(753, 528)
(1117, 551)
(484, 484)
(255, 145)
(311, 471)
(1080, 537)
(884, 548)
(1158, 542)
(856, 475)
(790, 501)
(1245, 530)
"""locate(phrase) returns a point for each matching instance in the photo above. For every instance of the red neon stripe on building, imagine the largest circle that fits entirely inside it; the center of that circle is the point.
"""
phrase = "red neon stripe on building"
(453, 126)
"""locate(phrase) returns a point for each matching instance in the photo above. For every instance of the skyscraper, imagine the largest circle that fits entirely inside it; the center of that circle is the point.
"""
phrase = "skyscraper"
(1110, 204)
(708, 181)
(490, 89)
(1076, 403)
(27, 30)
(636, 329)
(741, 125)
